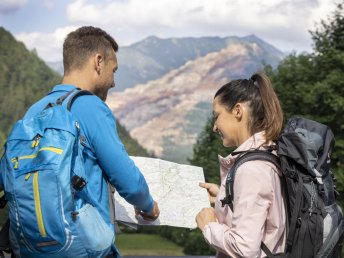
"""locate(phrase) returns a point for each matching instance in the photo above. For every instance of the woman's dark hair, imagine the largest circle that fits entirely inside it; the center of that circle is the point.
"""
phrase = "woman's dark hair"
(265, 110)
(80, 44)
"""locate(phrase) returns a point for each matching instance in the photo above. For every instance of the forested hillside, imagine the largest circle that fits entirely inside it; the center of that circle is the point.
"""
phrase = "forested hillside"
(24, 78)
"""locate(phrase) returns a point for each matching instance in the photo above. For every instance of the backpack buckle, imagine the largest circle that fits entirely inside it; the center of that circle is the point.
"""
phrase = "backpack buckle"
(78, 183)
(225, 201)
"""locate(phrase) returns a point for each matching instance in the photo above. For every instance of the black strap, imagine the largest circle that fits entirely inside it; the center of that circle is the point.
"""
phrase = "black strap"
(295, 214)
(60, 100)
(75, 96)
(244, 157)
(5, 245)
(266, 250)
(63, 97)
(250, 155)
(3, 202)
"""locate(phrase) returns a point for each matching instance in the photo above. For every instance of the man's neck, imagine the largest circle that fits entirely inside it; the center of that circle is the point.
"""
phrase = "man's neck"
(78, 80)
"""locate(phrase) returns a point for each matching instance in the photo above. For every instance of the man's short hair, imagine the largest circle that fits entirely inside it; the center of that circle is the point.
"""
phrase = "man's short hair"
(80, 44)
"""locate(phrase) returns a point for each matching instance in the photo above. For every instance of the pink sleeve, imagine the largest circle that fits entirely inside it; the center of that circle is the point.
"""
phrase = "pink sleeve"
(253, 192)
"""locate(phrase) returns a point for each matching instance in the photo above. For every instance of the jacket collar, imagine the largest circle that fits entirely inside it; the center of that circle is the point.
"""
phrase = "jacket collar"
(256, 141)
(63, 87)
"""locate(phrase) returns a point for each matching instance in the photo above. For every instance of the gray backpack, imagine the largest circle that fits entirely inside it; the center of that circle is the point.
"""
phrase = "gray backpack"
(314, 220)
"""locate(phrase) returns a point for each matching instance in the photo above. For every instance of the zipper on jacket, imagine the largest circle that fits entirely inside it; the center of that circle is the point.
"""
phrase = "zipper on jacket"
(38, 209)
(15, 160)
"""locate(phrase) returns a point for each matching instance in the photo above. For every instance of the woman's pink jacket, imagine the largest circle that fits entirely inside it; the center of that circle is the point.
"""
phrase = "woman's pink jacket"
(259, 212)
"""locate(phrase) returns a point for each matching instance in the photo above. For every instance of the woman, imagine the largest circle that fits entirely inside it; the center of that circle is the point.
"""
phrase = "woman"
(248, 116)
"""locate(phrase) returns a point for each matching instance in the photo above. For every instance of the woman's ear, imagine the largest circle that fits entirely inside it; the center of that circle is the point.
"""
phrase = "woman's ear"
(238, 111)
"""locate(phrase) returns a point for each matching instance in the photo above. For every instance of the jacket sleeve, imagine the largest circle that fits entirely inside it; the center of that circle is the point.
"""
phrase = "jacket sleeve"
(253, 191)
(100, 126)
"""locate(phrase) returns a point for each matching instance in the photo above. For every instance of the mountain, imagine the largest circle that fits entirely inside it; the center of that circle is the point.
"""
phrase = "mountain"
(153, 57)
(24, 78)
(167, 114)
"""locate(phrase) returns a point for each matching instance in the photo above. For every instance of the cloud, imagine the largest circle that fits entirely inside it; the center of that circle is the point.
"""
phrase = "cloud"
(10, 6)
(48, 46)
(279, 20)
(282, 23)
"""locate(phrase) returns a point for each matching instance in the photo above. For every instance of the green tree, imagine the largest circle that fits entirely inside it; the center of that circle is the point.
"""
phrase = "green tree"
(206, 150)
(312, 85)
(24, 78)
(131, 145)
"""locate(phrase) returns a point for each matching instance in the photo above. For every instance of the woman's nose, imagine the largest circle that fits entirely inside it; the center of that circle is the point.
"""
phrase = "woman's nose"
(215, 128)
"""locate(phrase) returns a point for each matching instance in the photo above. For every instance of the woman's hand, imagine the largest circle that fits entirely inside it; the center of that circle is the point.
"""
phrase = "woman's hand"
(204, 216)
(212, 189)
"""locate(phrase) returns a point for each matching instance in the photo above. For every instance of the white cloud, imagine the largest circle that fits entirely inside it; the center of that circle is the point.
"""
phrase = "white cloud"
(10, 6)
(324, 8)
(48, 46)
(283, 23)
(280, 21)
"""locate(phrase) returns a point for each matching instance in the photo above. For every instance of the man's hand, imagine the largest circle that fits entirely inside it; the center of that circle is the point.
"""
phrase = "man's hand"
(212, 189)
(204, 216)
(150, 216)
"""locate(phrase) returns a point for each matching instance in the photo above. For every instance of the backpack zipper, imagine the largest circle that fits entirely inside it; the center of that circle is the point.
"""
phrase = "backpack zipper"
(38, 209)
(27, 176)
(36, 141)
(15, 160)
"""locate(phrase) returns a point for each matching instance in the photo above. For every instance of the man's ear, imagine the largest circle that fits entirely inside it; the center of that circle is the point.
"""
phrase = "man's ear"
(98, 60)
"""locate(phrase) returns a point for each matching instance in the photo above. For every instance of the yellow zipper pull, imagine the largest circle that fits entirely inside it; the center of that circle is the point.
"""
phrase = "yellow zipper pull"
(27, 176)
(16, 163)
(35, 141)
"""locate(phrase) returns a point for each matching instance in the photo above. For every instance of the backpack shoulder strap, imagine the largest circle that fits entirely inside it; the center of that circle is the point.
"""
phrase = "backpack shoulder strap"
(244, 157)
(71, 96)
(75, 96)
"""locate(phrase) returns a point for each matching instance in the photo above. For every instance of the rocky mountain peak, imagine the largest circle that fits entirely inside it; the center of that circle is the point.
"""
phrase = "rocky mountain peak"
(166, 115)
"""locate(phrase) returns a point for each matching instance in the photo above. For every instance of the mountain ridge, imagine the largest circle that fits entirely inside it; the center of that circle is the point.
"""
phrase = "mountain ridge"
(152, 57)
(166, 115)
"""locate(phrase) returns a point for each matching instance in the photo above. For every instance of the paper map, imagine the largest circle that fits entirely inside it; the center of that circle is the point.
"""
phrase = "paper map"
(174, 187)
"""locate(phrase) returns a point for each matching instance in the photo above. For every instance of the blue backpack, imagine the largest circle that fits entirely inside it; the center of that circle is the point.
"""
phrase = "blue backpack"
(45, 185)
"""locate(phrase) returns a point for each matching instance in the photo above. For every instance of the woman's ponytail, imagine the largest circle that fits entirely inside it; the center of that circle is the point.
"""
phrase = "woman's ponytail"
(272, 120)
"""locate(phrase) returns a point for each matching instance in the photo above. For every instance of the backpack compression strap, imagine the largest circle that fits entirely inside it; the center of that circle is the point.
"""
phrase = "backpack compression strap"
(244, 157)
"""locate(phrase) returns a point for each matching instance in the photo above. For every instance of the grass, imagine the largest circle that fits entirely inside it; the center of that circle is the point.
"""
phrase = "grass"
(146, 245)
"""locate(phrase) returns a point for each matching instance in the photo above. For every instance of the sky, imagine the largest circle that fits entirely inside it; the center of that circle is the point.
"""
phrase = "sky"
(43, 24)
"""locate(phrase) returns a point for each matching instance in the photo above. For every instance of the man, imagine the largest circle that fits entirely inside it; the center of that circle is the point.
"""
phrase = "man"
(89, 64)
